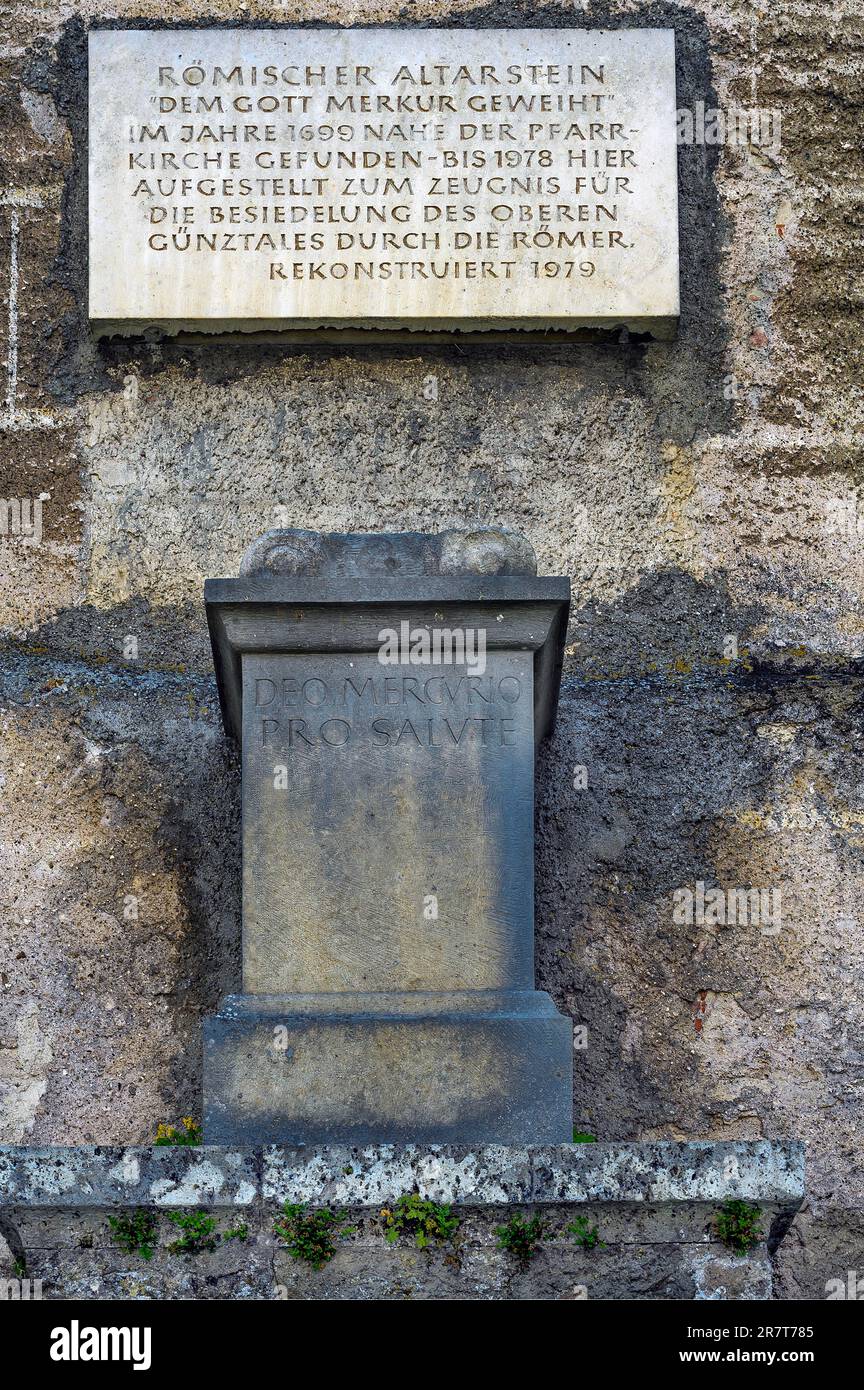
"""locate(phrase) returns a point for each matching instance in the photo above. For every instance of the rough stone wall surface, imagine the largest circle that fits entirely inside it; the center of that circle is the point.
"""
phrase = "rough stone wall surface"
(73, 1254)
(692, 490)
(652, 1209)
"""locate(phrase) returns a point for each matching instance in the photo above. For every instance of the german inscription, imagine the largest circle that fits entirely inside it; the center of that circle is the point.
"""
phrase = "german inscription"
(385, 177)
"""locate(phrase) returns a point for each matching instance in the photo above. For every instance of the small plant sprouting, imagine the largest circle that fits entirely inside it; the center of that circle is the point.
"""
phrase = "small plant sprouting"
(19, 1264)
(135, 1233)
(580, 1137)
(309, 1235)
(584, 1234)
(521, 1237)
(186, 1133)
(424, 1220)
(197, 1233)
(737, 1225)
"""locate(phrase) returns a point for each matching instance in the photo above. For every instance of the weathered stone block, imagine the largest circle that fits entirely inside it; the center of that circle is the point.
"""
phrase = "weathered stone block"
(373, 797)
(388, 798)
(341, 1068)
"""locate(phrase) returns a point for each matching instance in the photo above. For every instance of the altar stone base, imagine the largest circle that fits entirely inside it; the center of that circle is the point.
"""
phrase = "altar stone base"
(473, 1066)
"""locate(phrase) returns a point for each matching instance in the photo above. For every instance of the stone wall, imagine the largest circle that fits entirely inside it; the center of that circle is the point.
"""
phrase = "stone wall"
(696, 492)
(647, 1212)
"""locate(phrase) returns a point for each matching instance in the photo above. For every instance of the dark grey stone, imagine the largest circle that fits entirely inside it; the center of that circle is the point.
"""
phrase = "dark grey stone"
(484, 550)
(388, 949)
(400, 786)
(402, 1068)
(278, 613)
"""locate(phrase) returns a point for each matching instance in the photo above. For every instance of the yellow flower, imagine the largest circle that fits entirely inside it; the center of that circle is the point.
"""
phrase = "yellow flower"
(164, 1131)
(188, 1122)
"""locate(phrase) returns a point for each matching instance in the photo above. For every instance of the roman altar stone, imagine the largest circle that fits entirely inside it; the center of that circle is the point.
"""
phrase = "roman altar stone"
(388, 692)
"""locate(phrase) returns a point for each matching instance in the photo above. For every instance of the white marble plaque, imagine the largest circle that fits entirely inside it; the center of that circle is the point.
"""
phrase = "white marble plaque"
(393, 178)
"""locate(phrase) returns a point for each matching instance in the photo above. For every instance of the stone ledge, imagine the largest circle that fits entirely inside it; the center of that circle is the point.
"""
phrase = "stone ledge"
(87, 1177)
(653, 1204)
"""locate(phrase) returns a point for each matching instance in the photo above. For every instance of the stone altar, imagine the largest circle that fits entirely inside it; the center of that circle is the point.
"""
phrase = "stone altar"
(388, 977)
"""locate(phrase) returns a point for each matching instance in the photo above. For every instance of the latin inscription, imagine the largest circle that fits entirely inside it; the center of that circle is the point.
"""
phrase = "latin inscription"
(390, 711)
(382, 175)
